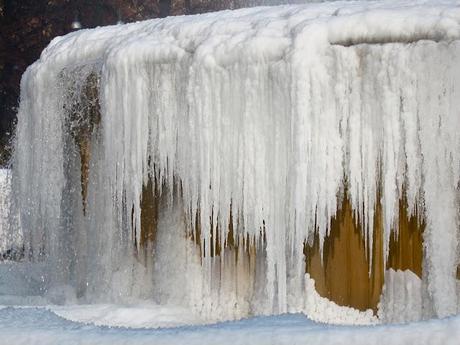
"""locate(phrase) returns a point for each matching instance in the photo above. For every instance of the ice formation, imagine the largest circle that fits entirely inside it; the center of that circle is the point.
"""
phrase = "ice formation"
(10, 237)
(4, 208)
(401, 298)
(261, 118)
(37, 326)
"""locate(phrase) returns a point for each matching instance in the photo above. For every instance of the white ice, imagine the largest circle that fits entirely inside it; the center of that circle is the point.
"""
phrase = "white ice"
(401, 299)
(268, 112)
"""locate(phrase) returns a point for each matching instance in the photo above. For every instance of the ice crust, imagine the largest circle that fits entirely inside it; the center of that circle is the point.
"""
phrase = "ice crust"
(268, 112)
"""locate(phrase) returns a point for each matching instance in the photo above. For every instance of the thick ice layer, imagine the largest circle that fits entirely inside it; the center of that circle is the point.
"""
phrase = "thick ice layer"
(266, 114)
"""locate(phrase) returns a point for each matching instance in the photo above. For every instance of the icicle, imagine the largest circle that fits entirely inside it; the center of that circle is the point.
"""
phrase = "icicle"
(263, 117)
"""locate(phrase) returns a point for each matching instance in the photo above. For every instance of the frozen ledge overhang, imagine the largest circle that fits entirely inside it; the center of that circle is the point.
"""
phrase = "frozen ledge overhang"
(261, 34)
(388, 40)
(400, 25)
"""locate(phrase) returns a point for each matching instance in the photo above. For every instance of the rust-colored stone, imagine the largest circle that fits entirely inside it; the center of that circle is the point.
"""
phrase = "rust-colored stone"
(149, 213)
(406, 250)
(344, 274)
(85, 118)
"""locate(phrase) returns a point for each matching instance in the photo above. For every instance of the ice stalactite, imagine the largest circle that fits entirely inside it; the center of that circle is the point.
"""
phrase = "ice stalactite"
(261, 118)
(401, 298)
(10, 236)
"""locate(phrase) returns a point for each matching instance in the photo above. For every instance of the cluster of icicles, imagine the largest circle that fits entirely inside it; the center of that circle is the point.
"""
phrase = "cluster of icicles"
(260, 118)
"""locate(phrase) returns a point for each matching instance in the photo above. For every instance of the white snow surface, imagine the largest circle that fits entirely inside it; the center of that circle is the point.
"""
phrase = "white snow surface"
(37, 326)
(265, 112)
(140, 316)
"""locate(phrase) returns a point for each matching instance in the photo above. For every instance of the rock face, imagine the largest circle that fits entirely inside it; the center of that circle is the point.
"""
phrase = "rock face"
(27, 26)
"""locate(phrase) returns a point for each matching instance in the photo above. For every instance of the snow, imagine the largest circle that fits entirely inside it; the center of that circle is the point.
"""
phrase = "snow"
(132, 316)
(264, 114)
(322, 310)
(41, 326)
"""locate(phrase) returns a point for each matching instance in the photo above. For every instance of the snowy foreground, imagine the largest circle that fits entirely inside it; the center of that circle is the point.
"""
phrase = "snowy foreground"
(31, 326)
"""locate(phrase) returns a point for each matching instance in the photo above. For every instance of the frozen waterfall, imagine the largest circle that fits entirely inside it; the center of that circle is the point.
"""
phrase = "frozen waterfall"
(248, 128)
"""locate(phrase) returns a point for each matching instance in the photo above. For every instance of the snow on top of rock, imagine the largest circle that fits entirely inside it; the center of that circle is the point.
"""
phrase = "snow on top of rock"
(262, 33)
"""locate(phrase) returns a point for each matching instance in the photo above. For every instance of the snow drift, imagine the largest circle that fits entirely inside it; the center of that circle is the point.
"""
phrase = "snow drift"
(40, 326)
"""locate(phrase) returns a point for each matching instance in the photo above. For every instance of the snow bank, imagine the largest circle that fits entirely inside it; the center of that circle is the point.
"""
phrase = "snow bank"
(40, 326)
(133, 316)
(263, 115)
